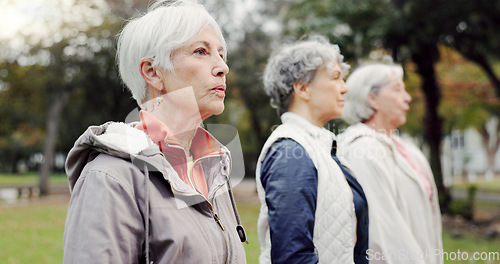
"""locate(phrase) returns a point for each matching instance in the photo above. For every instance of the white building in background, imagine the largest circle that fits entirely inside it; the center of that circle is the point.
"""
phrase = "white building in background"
(464, 157)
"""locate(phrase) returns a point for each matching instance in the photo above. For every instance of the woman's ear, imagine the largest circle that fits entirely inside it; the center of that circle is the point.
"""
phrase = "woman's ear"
(151, 74)
(372, 101)
(302, 91)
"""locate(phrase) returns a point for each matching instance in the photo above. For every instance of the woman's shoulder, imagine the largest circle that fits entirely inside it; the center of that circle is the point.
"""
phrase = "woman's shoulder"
(108, 167)
(287, 148)
(363, 143)
(363, 147)
(288, 161)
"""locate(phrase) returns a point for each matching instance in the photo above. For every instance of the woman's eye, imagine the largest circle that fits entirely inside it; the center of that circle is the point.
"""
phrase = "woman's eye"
(201, 51)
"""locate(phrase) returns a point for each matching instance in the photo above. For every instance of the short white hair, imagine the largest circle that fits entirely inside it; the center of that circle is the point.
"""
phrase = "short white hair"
(366, 79)
(165, 27)
(298, 63)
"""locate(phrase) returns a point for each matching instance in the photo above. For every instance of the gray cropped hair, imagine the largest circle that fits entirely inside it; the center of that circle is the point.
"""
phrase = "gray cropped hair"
(165, 27)
(366, 79)
(298, 62)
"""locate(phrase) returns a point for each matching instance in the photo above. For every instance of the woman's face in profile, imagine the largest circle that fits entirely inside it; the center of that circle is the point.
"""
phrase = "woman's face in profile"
(327, 92)
(198, 82)
(393, 101)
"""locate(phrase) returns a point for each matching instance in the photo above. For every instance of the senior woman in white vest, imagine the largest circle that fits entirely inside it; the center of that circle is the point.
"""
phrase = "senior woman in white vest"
(405, 220)
(157, 190)
(312, 209)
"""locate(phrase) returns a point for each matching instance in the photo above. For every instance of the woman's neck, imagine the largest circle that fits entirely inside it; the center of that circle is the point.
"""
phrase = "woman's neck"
(184, 132)
(305, 112)
(183, 124)
(378, 124)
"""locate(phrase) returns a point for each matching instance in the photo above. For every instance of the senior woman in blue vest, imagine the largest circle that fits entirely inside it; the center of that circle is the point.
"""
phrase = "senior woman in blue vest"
(313, 210)
(405, 221)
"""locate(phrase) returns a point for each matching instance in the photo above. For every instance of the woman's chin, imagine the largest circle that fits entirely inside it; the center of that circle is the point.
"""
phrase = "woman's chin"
(217, 110)
(401, 122)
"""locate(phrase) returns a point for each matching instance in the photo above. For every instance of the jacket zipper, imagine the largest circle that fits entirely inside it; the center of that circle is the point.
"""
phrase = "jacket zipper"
(219, 222)
(214, 215)
(217, 219)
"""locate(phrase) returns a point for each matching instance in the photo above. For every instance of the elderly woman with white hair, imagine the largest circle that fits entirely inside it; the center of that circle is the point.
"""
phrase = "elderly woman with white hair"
(312, 208)
(405, 220)
(157, 190)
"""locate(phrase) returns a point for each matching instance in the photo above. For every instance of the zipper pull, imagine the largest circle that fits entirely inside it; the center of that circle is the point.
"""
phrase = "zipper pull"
(217, 219)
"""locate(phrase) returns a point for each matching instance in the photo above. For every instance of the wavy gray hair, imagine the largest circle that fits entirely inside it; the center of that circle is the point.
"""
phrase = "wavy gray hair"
(297, 63)
(366, 79)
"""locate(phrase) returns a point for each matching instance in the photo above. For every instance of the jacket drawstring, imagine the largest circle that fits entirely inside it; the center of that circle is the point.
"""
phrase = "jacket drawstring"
(146, 186)
(239, 228)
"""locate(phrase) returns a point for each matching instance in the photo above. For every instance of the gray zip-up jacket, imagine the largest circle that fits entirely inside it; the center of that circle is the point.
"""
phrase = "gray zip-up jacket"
(128, 204)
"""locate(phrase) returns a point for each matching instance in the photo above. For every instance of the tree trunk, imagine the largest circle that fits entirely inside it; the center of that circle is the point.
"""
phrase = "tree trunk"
(433, 123)
(15, 159)
(53, 118)
(491, 142)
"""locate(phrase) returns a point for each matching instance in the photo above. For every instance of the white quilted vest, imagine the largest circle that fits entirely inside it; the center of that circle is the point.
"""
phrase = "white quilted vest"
(335, 220)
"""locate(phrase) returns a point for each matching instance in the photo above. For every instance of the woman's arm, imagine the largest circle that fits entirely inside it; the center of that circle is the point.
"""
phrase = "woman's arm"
(290, 182)
(103, 224)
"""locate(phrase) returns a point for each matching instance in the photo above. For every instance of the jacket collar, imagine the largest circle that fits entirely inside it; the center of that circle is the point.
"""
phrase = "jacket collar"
(325, 136)
(125, 141)
(203, 143)
(360, 130)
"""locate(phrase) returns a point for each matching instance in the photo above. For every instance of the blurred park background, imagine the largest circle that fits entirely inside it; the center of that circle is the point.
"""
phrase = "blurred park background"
(58, 76)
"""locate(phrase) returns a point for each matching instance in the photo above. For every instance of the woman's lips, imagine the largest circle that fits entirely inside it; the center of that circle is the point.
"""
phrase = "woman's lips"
(219, 90)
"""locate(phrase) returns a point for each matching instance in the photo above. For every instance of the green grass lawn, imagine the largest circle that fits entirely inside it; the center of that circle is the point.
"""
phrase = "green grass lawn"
(33, 234)
(31, 179)
(470, 244)
(484, 186)
(249, 214)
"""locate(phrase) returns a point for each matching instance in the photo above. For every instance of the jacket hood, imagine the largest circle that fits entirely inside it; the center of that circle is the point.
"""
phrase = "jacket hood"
(116, 139)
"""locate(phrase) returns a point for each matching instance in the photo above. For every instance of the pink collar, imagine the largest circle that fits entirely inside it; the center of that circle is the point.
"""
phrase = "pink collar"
(203, 143)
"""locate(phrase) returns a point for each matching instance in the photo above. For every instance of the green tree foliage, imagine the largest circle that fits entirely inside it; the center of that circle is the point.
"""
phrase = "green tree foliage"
(85, 87)
(57, 90)
(21, 113)
(474, 34)
(357, 26)
(97, 93)
(469, 101)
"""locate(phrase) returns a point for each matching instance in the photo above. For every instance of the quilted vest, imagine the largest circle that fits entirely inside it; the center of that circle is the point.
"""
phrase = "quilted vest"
(335, 220)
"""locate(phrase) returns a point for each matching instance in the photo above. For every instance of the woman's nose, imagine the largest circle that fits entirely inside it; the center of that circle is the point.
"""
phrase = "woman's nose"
(344, 88)
(407, 97)
(221, 68)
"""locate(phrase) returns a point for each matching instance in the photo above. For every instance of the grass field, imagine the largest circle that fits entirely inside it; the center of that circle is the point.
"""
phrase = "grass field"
(30, 179)
(485, 186)
(33, 233)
